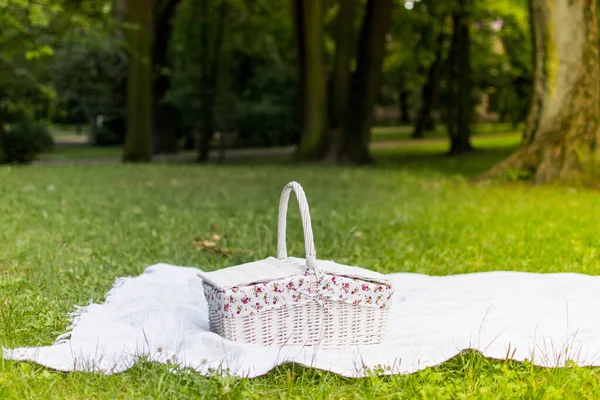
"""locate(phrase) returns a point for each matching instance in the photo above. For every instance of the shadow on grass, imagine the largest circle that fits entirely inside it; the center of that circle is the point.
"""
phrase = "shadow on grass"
(417, 160)
(467, 165)
(421, 158)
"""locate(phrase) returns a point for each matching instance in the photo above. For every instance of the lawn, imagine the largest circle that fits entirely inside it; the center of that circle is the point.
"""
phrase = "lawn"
(71, 147)
(390, 133)
(81, 152)
(69, 231)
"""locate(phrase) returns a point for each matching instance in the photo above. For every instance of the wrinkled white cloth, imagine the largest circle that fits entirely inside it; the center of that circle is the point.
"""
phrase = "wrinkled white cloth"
(161, 315)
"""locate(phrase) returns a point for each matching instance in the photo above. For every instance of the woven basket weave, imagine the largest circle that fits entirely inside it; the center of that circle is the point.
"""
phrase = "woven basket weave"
(297, 302)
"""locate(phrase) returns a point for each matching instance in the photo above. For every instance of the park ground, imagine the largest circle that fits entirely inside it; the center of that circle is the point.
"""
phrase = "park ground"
(69, 230)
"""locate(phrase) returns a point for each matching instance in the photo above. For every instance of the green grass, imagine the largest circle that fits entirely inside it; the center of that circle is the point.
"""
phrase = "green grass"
(62, 132)
(69, 231)
(380, 134)
(493, 147)
(393, 133)
(80, 152)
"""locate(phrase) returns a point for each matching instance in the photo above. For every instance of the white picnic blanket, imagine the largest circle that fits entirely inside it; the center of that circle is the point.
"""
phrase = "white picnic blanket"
(161, 315)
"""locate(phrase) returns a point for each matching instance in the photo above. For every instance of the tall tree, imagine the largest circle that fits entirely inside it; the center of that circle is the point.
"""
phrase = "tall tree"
(210, 73)
(2, 151)
(460, 107)
(2, 132)
(365, 81)
(430, 89)
(341, 78)
(352, 98)
(309, 23)
(561, 137)
(403, 95)
(164, 114)
(138, 140)
(297, 12)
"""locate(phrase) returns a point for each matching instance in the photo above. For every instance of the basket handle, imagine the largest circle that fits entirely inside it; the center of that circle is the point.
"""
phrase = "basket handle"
(309, 244)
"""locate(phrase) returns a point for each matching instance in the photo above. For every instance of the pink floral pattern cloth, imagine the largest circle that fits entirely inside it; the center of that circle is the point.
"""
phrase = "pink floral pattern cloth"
(252, 299)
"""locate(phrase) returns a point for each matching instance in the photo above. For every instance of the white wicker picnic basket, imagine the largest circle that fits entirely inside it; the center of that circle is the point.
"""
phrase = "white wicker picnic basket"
(297, 302)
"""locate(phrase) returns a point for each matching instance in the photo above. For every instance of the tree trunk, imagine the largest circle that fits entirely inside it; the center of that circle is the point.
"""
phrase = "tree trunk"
(189, 142)
(297, 12)
(561, 136)
(365, 82)
(2, 151)
(314, 108)
(120, 13)
(429, 92)
(164, 115)
(2, 132)
(222, 148)
(465, 106)
(460, 106)
(138, 141)
(206, 112)
(403, 105)
(207, 129)
(341, 79)
(539, 84)
(210, 78)
(451, 69)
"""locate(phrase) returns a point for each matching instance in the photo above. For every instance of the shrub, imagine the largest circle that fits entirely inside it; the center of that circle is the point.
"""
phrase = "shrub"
(89, 76)
(24, 140)
(266, 126)
(109, 131)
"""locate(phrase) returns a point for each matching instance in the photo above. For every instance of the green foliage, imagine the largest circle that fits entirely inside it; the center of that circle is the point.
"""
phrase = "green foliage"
(25, 46)
(502, 59)
(88, 73)
(187, 59)
(36, 75)
(24, 140)
(265, 125)
(257, 88)
(411, 48)
(501, 53)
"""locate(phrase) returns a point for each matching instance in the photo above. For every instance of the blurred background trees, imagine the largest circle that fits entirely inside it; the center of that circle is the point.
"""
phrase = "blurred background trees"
(163, 76)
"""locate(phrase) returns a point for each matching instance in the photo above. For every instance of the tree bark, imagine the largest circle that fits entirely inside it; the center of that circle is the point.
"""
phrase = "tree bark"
(312, 141)
(210, 77)
(539, 82)
(164, 115)
(2, 151)
(561, 136)
(341, 79)
(120, 13)
(365, 82)
(298, 23)
(452, 78)
(462, 142)
(2, 131)
(429, 92)
(138, 141)
(460, 106)
(403, 105)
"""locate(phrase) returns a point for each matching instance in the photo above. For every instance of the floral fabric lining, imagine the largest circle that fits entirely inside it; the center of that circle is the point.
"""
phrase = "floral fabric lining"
(249, 300)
